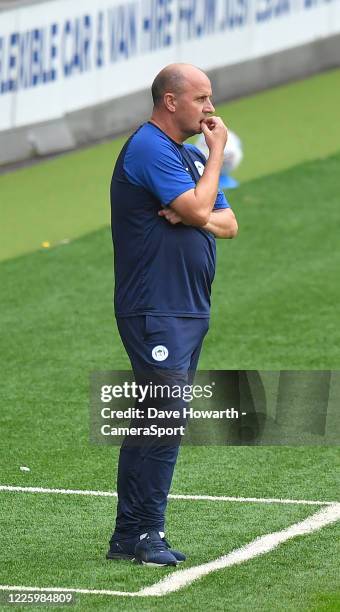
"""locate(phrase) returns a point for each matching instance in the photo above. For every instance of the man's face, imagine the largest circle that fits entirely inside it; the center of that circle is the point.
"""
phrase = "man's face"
(194, 104)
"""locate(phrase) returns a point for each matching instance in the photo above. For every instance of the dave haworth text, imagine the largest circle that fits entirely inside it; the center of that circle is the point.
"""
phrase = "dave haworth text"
(156, 413)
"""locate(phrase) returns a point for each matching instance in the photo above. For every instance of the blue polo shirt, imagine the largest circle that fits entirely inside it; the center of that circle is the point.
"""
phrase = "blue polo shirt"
(160, 269)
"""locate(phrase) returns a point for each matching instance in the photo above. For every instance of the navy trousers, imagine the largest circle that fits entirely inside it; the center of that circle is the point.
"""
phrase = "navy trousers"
(162, 349)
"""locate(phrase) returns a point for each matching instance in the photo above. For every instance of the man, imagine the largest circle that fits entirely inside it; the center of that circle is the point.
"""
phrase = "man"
(166, 211)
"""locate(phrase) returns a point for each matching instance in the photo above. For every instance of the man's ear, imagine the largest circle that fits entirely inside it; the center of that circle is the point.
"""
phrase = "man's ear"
(170, 102)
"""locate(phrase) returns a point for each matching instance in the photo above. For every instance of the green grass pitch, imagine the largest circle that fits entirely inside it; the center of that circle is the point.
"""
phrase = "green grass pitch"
(275, 301)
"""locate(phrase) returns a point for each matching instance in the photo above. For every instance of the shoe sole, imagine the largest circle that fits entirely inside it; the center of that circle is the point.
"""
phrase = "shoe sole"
(158, 564)
(118, 556)
(137, 561)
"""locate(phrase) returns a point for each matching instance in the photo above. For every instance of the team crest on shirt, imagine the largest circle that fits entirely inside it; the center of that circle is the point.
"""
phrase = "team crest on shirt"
(200, 167)
(160, 352)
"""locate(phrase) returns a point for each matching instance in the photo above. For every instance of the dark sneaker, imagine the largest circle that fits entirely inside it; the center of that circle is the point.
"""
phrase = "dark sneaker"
(152, 551)
(176, 553)
(124, 549)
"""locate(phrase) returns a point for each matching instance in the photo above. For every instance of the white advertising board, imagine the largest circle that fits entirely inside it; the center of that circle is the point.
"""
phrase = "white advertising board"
(57, 57)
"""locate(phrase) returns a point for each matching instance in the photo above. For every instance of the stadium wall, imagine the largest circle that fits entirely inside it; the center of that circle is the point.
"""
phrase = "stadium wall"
(74, 73)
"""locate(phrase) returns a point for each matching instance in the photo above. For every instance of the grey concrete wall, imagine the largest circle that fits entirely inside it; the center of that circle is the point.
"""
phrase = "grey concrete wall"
(123, 114)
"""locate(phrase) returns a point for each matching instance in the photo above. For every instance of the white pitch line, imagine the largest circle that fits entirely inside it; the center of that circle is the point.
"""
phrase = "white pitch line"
(60, 491)
(8, 587)
(182, 578)
(223, 498)
(259, 546)
(260, 500)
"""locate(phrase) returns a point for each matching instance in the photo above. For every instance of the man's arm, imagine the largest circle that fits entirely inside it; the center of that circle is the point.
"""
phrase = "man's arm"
(222, 222)
(195, 205)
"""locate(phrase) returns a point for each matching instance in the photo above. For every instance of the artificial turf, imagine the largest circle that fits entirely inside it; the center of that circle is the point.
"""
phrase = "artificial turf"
(46, 524)
(273, 308)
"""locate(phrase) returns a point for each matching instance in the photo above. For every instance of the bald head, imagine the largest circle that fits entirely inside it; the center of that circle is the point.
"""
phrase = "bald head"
(182, 100)
(174, 79)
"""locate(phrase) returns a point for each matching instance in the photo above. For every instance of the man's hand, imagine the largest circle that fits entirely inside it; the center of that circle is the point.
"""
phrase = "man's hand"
(170, 215)
(222, 223)
(215, 133)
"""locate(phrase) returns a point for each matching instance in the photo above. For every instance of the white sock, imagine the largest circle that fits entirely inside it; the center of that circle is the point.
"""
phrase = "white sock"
(161, 534)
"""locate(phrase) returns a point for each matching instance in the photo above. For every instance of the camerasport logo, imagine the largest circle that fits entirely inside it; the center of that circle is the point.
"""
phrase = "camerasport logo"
(160, 352)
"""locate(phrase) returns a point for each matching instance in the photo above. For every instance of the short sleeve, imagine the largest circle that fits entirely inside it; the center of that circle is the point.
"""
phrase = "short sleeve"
(221, 201)
(153, 161)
